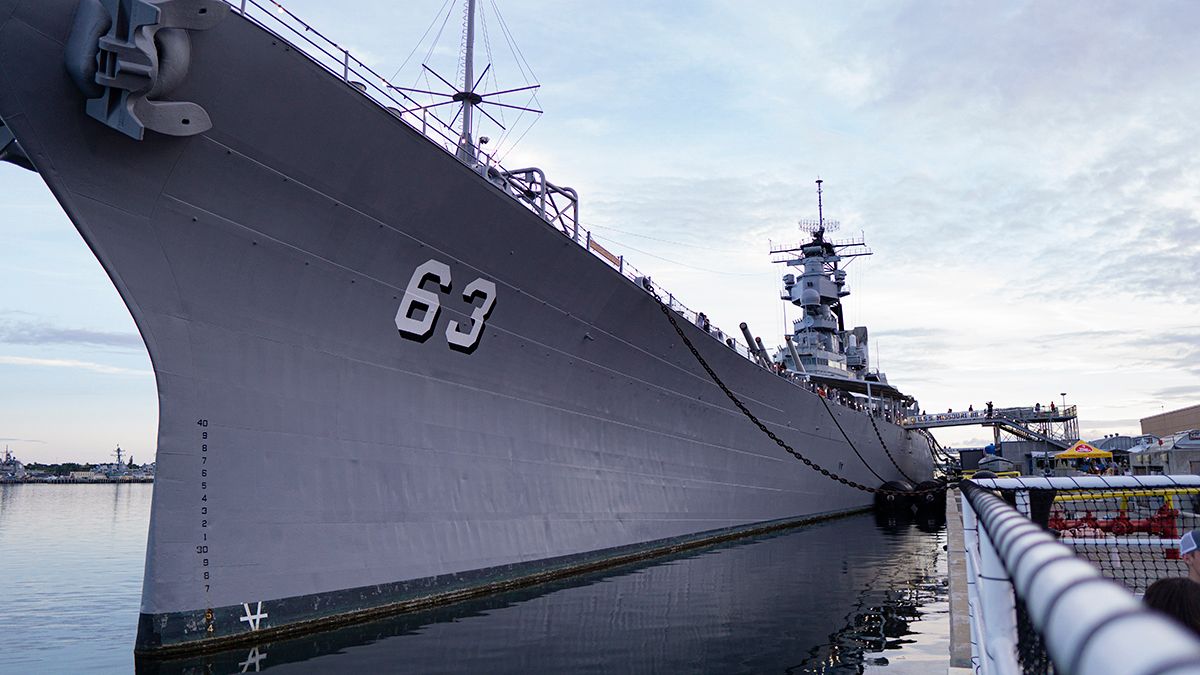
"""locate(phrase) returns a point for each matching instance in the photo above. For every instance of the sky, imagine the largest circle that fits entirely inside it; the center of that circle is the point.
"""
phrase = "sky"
(1026, 174)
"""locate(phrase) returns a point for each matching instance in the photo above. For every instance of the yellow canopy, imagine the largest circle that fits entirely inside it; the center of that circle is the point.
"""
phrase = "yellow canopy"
(1082, 450)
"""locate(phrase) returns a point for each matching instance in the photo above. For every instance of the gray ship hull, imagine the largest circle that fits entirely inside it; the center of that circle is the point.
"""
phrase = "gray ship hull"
(314, 462)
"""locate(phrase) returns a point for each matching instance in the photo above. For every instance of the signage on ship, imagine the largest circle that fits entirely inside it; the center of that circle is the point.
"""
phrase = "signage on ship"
(417, 315)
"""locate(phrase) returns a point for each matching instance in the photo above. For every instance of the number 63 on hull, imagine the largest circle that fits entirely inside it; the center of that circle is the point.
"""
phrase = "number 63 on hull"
(418, 299)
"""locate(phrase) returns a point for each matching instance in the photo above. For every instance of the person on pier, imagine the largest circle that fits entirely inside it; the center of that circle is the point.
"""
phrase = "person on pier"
(1189, 553)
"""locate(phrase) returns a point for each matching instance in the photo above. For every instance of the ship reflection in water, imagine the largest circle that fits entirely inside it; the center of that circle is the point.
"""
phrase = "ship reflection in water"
(820, 599)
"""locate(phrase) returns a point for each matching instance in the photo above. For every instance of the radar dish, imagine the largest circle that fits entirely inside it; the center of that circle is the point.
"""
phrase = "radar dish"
(811, 225)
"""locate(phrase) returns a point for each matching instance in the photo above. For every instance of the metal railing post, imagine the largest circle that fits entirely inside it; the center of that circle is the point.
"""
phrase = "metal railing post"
(999, 607)
(345, 64)
(541, 193)
(1023, 503)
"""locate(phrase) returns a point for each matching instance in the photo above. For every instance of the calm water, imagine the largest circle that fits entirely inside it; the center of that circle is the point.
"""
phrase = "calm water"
(831, 598)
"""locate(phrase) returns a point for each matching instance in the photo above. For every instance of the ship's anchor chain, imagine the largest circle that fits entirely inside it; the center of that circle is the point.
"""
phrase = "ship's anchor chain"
(125, 55)
(667, 312)
(887, 451)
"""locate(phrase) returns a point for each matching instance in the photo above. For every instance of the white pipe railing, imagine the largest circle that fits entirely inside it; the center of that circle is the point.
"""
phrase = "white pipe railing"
(1089, 624)
(1025, 483)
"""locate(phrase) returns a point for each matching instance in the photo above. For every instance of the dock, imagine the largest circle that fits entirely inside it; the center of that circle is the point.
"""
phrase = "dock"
(960, 622)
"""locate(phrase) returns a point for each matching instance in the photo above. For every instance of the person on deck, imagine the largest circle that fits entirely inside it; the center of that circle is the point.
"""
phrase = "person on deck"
(1189, 553)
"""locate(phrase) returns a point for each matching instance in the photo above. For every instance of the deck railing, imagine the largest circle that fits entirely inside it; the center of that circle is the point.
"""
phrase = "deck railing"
(527, 186)
(338, 60)
(1029, 414)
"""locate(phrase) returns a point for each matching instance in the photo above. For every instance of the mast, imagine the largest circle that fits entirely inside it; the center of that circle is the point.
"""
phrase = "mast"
(820, 209)
(466, 145)
(463, 92)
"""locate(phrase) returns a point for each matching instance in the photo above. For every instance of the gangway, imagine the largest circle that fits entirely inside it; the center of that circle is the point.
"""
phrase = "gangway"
(1058, 427)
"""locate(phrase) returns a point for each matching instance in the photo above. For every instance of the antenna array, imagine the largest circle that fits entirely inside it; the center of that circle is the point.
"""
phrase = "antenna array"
(811, 225)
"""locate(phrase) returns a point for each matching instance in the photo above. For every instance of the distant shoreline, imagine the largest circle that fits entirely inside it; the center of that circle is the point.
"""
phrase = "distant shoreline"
(73, 481)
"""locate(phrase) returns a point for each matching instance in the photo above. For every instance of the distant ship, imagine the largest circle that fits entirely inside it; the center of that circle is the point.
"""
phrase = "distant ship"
(392, 373)
(11, 469)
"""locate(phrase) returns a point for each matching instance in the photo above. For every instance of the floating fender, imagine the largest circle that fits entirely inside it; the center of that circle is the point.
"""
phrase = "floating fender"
(897, 499)
(930, 498)
(984, 474)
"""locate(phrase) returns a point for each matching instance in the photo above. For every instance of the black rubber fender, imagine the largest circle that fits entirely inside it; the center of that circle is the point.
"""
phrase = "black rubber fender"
(930, 497)
(894, 497)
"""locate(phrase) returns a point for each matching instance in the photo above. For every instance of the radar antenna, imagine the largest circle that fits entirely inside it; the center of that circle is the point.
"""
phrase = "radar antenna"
(465, 93)
(819, 226)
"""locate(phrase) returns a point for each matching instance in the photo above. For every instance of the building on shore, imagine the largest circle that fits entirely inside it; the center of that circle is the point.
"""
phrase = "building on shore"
(1175, 454)
(1172, 422)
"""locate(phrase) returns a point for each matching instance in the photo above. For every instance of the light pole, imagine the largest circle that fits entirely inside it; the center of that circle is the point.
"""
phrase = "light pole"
(1064, 395)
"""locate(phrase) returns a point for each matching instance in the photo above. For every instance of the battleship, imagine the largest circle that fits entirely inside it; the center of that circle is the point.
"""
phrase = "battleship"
(392, 373)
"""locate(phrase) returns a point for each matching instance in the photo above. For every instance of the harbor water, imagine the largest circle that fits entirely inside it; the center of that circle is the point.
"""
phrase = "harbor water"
(841, 596)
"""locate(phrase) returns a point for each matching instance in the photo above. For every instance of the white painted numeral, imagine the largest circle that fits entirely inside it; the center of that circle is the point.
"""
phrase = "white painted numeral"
(467, 340)
(416, 298)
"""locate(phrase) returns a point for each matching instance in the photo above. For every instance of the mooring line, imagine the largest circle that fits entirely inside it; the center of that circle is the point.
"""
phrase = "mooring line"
(770, 434)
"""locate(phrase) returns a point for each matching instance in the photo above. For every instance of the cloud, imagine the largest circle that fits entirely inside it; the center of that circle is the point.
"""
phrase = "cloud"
(909, 332)
(69, 363)
(22, 440)
(1181, 391)
(1075, 337)
(41, 333)
(1108, 424)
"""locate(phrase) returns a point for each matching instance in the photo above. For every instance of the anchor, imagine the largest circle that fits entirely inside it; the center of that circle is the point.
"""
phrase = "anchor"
(127, 54)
